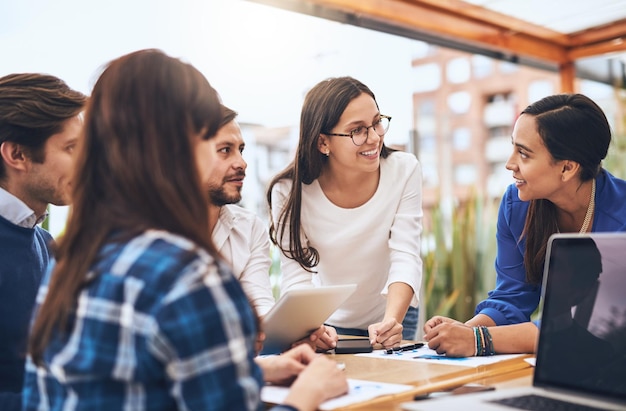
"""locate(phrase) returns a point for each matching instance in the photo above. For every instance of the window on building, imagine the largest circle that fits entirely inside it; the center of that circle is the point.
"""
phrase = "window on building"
(499, 131)
(459, 102)
(508, 67)
(458, 70)
(427, 141)
(426, 107)
(481, 66)
(426, 126)
(500, 110)
(461, 138)
(499, 117)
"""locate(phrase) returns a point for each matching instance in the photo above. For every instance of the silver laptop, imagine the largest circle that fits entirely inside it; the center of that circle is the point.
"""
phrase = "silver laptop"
(300, 311)
(581, 352)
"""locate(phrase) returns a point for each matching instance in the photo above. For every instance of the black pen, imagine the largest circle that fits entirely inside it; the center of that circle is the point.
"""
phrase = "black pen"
(409, 347)
(404, 347)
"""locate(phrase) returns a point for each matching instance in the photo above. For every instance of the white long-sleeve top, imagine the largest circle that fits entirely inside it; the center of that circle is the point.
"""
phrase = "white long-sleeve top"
(373, 245)
(243, 240)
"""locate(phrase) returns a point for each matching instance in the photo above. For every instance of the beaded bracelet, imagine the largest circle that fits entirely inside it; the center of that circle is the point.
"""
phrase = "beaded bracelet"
(477, 342)
(487, 341)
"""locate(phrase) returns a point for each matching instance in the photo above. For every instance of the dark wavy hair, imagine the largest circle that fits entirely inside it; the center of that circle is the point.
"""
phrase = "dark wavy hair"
(137, 171)
(572, 127)
(323, 106)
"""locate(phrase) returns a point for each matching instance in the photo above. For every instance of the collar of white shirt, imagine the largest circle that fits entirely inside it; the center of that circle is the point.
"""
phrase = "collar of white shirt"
(17, 212)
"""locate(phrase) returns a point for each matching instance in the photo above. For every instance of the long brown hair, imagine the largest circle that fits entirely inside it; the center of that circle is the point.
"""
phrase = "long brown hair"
(136, 171)
(572, 127)
(323, 106)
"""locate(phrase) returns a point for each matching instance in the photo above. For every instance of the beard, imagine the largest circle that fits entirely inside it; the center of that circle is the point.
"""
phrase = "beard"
(219, 197)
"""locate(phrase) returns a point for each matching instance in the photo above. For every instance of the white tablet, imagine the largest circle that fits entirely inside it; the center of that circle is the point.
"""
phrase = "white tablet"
(300, 311)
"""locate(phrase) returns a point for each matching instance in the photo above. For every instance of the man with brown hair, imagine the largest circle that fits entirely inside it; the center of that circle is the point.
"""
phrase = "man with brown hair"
(240, 235)
(40, 126)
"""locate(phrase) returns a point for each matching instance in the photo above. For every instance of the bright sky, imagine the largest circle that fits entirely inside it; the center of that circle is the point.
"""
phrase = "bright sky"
(261, 59)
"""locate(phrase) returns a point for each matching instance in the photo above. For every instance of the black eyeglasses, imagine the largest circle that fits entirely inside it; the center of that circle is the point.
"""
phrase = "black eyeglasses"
(359, 135)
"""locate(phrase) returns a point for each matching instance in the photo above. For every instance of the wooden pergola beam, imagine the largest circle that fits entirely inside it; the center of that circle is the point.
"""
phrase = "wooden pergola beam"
(600, 34)
(567, 74)
(590, 50)
(467, 11)
(448, 20)
(463, 23)
(610, 38)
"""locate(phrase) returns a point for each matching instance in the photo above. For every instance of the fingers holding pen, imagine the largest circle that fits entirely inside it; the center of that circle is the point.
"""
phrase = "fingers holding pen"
(387, 332)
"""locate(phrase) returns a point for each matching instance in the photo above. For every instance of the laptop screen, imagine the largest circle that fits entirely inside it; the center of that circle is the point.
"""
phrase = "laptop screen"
(582, 344)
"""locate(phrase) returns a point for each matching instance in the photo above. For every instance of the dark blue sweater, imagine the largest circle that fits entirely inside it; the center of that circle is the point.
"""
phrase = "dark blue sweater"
(24, 257)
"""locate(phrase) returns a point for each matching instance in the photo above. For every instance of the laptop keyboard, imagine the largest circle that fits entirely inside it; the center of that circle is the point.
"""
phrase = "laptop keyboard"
(539, 403)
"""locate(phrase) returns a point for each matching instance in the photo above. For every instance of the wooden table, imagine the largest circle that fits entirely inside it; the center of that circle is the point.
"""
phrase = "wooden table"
(429, 377)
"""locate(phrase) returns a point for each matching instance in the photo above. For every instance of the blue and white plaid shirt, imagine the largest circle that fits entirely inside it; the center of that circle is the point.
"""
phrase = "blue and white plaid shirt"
(162, 326)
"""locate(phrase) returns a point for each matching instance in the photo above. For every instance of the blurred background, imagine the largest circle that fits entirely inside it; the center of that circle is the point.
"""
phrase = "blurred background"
(454, 108)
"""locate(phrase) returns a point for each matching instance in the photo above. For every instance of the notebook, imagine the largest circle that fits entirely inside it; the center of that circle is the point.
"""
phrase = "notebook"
(298, 312)
(581, 352)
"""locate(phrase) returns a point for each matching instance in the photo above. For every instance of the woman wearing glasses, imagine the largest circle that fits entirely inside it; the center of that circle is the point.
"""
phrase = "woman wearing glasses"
(348, 209)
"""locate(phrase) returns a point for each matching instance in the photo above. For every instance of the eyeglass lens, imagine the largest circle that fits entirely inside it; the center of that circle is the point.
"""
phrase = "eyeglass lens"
(359, 136)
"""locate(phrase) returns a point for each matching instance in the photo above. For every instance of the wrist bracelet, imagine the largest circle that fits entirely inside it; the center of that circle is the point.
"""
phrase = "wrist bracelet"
(477, 342)
(487, 341)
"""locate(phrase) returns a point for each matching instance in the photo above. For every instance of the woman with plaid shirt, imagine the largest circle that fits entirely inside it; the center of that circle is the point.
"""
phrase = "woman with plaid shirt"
(139, 312)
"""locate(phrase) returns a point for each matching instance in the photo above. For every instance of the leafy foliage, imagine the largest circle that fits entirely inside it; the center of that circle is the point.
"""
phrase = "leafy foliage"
(615, 160)
(458, 258)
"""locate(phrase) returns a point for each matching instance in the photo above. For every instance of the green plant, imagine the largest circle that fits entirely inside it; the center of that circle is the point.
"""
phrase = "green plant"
(458, 258)
(614, 161)
(275, 272)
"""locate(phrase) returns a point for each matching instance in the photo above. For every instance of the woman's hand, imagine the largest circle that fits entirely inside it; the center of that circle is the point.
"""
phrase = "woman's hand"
(258, 344)
(325, 338)
(451, 338)
(321, 380)
(435, 321)
(388, 332)
(283, 369)
(321, 340)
